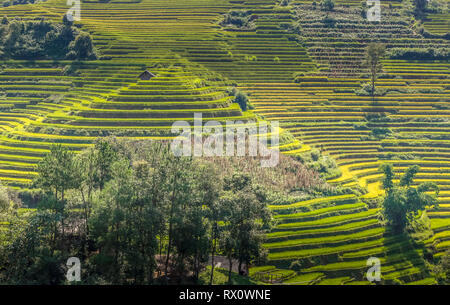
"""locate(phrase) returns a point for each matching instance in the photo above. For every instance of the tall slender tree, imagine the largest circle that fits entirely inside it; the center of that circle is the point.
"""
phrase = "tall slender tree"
(246, 217)
(374, 54)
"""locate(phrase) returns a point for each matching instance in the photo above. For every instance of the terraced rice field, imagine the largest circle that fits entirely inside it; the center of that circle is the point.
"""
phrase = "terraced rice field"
(438, 23)
(196, 60)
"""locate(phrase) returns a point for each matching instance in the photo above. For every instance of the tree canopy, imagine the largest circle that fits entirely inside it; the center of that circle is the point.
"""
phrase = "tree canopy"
(135, 213)
(374, 54)
(403, 202)
(43, 39)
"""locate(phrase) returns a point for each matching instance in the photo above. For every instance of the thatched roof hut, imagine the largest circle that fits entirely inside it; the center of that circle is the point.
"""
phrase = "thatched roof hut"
(146, 75)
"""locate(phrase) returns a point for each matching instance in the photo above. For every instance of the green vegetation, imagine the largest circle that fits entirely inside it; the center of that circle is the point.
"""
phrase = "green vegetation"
(138, 210)
(221, 277)
(238, 18)
(417, 54)
(420, 8)
(241, 99)
(43, 39)
(245, 216)
(374, 54)
(442, 269)
(327, 5)
(16, 2)
(403, 202)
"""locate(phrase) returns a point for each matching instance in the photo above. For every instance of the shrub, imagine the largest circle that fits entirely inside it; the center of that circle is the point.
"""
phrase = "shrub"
(69, 70)
(329, 22)
(17, 2)
(377, 115)
(4, 199)
(327, 5)
(419, 8)
(363, 7)
(238, 19)
(323, 164)
(197, 83)
(381, 132)
(366, 90)
(296, 28)
(315, 155)
(297, 76)
(442, 270)
(438, 6)
(360, 126)
(251, 58)
(241, 98)
(420, 53)
(431, 90)
(82, 47)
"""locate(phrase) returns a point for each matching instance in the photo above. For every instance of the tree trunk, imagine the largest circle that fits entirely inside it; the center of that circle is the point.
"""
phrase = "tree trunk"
(230, 260)
(373, 87)
(160, 255)
(169, 248)
(86, 218)
(172, 208)
(62, 219)
(213, 251)
(55, 223)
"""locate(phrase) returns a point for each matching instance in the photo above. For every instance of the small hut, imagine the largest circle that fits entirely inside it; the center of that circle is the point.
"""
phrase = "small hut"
(146, 75)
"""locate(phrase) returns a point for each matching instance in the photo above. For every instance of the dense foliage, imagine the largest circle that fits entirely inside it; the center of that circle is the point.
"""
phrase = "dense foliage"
(17, 2)
(327, 5)
(135, 213)
(442, 269)
(403, 202)
(420, 7)
(420, 53)
(241, 98)
(238, 19)
(43, 39)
